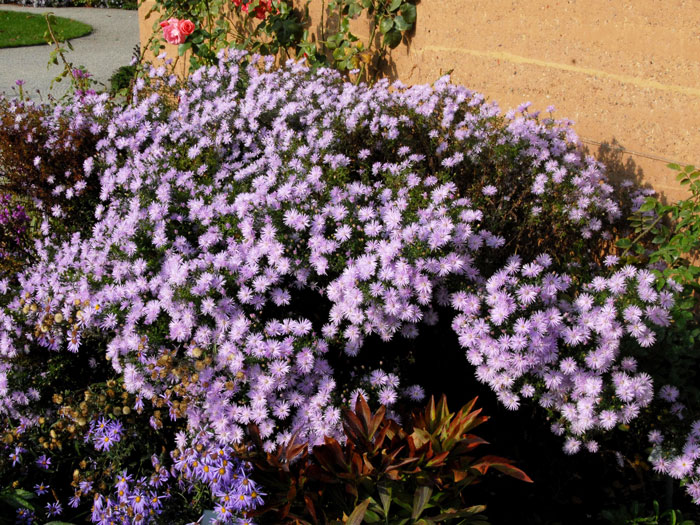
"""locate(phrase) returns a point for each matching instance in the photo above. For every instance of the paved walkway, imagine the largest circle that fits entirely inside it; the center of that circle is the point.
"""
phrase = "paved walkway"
(109, 46)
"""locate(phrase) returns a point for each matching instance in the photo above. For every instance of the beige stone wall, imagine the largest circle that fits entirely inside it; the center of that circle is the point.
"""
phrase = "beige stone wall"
(627, 72)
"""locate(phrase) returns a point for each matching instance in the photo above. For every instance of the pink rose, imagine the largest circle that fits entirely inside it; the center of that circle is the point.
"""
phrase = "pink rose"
(186, 27)
(173, 35)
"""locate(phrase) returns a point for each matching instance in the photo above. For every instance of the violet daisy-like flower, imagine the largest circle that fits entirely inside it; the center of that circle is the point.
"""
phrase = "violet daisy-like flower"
(16, 455)
(54, 509)
(44, 461)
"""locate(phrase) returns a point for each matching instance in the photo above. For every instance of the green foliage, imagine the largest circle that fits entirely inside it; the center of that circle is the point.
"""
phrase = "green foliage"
(121, 79)
(80, 79)
(393, 20)
(669, 233)
(636, 514)
(382, 473)
(276, 27)
(667, 238)
(12, 499)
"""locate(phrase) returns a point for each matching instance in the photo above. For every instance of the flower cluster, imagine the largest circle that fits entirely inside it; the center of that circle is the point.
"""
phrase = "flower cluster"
(260, 8)
(104, 434)
(176, 31)
(136, 501)
(202, 460)
(249, 240)
(520, 330)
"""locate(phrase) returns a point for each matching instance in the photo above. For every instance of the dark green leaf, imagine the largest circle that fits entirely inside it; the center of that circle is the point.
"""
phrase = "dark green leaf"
(385, 498)
(386, 25)
(463, 513)
(408, 11)
(16, 501)
(401, 24)
(371, 517)
(392, 38)
(183, 48)
(358, 514)
(648, 205)
(420, 498)
(26, 494)
(354, 10)
(623, 243)
(394, 5)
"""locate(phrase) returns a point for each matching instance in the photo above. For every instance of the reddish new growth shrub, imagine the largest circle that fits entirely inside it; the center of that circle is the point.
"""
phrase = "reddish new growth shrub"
(45, 157)
(14, 233)
(380, 472)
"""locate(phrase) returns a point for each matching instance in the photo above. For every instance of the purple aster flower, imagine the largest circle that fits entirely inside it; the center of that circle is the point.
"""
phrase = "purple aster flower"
(16, 455)
(54, 509)
(44, 461)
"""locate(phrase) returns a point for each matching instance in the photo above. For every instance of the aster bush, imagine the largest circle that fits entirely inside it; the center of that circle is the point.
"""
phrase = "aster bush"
(253, 236)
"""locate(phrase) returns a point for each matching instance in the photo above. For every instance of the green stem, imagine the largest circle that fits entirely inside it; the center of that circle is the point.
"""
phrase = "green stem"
(642, 234)
(209, 28)
(59, 50)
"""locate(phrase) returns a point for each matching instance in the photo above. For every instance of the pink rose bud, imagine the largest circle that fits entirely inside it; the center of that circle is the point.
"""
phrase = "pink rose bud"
(186, 27)
(169, 22)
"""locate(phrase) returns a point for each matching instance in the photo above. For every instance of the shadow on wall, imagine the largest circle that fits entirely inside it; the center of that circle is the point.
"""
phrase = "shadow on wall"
(619, 164)
(382, 65)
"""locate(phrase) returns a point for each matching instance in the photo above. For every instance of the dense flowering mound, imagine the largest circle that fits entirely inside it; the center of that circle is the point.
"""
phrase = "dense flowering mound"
(257, 225)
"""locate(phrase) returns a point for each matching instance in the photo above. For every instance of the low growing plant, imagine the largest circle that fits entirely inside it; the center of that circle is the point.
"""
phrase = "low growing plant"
(634, 514)
(379, 472)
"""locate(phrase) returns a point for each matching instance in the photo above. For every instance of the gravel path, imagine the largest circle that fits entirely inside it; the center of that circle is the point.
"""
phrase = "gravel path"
(109, 46)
